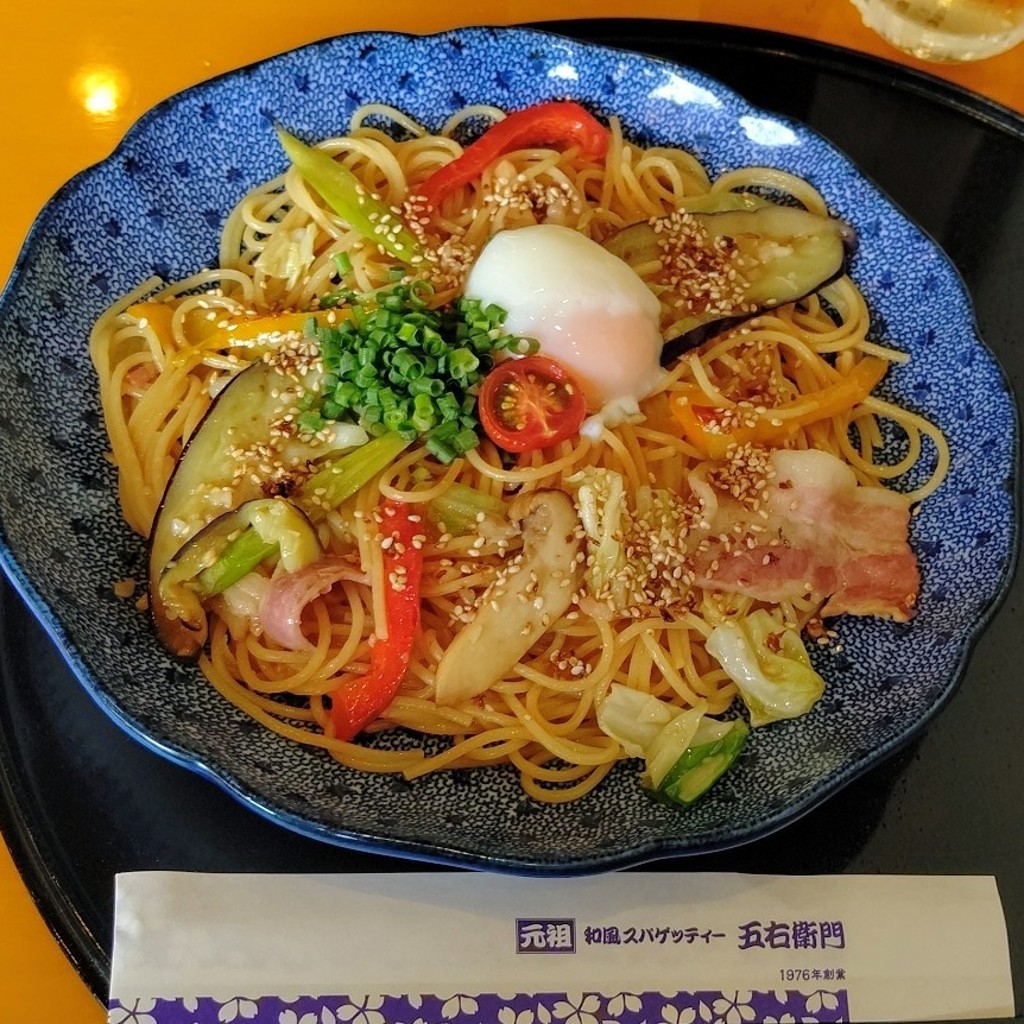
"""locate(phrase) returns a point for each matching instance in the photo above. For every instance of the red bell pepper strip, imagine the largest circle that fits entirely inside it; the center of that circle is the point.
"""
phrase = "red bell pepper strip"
(357, 702)
(557, 123)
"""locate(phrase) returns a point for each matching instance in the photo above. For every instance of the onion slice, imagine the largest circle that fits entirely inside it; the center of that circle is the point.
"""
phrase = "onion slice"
(289, 593)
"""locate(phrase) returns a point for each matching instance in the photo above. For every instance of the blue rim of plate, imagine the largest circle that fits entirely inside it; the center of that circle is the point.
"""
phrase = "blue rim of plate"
(432, 852)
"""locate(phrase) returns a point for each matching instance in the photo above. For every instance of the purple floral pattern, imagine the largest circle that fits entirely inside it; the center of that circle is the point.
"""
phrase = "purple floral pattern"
(703, 1007)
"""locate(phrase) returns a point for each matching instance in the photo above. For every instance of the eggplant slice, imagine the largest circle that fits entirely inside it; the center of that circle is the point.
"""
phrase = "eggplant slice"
(718, 267)
(244, 428)
(220, 554)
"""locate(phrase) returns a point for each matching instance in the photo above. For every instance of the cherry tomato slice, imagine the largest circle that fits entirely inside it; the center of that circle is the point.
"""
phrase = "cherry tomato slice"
(530, 403)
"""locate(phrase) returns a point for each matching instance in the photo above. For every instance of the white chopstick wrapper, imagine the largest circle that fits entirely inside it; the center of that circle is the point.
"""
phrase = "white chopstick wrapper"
(638, 948)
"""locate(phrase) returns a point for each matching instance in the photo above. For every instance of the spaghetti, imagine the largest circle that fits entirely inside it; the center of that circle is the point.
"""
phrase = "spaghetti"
(164, 352)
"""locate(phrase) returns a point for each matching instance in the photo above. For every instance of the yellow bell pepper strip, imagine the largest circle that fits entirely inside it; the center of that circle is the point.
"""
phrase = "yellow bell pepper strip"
(704, 425)
(226, 331)
(562, 124)
(357, 702)
(351, 200)
(157, 315)
(242, 332)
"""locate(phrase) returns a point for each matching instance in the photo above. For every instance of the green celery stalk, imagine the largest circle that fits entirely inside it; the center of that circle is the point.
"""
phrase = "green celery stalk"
(237, 560)
(335, 482)
(456, 510)
(339, 479)
(349, 199)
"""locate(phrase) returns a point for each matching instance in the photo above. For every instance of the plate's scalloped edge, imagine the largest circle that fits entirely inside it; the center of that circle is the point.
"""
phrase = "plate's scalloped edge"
(636, 855)
(884, 70)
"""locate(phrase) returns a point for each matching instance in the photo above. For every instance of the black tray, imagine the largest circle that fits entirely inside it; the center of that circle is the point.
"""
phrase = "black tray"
(79, 801)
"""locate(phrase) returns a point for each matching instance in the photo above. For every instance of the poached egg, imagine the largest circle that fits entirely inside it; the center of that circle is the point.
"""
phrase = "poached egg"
(587, 309)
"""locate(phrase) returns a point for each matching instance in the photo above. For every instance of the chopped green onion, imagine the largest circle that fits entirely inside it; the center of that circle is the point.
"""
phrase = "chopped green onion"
(424, 413)
(397, 365)
(465, 440)
(526, 347)
(346, 394)
(342, 263)
(441, 450)
(446, 431)
(424, 386)
(366, 376)
(448, 405)
(347, 365)
(405, 366)
(310, 422)
(462, 362)
(394, 419)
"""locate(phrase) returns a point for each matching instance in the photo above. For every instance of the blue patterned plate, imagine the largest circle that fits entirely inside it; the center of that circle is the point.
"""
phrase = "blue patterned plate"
(155, 207)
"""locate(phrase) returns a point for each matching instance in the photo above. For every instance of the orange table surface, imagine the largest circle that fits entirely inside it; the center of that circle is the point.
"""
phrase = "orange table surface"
(51, 46)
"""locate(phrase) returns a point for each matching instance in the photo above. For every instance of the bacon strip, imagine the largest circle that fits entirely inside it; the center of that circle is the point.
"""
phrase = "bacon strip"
(825, 537)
